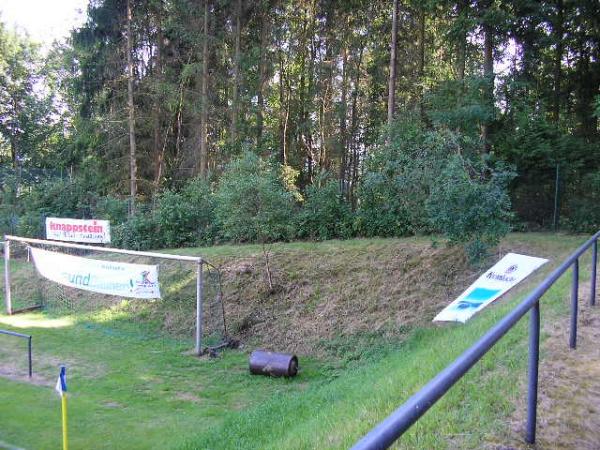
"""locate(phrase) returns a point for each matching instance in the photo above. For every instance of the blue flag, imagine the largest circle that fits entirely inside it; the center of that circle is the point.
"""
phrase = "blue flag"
(61, 383)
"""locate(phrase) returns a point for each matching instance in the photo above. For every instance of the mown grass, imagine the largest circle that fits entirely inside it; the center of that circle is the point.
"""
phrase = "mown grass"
(127, 389)
(132, 388)
(337, 414)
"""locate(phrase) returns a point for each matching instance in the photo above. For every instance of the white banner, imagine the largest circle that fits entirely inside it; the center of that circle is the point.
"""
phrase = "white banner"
(104, 277)
(77, 230)
(505, 274)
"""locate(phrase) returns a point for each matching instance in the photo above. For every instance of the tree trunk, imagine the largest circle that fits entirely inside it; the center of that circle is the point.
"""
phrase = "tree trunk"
(159, 146)
(392, 79)
(203, 160)
(558, 52)
(236, 74)
(343, 140)
(262, 74)
(283, 112)
(131, 116)
(461, 50)
(326, 119)
(421, 67)
(354, 144)
(13, 150)
(488, 73)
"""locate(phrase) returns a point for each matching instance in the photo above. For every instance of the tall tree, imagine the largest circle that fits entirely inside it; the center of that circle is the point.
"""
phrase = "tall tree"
(24, 111)
(262, 70)
(488, 69)
(558, 55)
(236, 73)
(203, 135)
(131, 114)
(393, 63)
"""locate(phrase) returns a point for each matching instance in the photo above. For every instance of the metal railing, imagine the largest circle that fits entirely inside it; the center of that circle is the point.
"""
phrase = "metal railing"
(24, 336)
(390, 429)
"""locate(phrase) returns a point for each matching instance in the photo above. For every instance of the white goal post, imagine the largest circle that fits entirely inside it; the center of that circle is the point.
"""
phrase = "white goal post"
(198, 261)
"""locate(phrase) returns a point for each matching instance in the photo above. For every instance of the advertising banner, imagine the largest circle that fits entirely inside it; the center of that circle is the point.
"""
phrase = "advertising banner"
(77, 230)
(104, 277)
(505, 274)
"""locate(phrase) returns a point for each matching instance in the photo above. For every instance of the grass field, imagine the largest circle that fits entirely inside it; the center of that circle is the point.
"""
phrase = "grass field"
(134, 386)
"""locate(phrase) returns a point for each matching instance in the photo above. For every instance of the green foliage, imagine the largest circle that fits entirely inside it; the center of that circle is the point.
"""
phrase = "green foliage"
(252, 204)
(8, 204)
(30, 128)
(112, 209)
(399, 175)
(460, 105)
(583, 205)
(469, 203)
(51, 197)
(138, 232)
(325, 213)
(178, 219)
(186, 217)
(531, 139)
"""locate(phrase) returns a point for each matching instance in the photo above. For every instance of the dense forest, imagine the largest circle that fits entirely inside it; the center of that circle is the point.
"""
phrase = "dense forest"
(189, 121)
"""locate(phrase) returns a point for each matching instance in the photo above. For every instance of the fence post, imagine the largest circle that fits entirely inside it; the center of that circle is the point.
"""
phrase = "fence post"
(29, 352)
(593, 275)
(7, 296)
(199, 301)
(534, 358)
(574, 293)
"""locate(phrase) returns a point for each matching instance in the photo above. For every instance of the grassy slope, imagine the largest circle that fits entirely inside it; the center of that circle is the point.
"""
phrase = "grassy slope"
(336, 414)
(132, 389)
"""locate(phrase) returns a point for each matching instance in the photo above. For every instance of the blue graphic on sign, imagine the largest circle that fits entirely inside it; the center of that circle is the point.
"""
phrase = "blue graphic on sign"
(476, 297)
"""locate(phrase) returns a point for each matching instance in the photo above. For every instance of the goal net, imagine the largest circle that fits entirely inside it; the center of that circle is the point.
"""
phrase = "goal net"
(173, 315)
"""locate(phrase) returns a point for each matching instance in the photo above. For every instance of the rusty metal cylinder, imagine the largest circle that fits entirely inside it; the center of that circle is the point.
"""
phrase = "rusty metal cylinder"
(263, 362)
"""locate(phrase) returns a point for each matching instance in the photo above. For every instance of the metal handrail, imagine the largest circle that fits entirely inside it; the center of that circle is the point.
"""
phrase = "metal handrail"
(390, 429)
(23, 336)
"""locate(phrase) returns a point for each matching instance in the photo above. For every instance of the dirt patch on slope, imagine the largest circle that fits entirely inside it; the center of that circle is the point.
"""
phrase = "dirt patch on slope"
(569, 387)
(319, 297)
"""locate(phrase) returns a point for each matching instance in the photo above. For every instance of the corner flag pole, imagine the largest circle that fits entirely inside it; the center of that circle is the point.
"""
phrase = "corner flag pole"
(61, 388)
(64, 422)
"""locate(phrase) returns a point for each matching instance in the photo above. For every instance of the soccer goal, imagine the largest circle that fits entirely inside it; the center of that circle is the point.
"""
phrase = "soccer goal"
(37, 275)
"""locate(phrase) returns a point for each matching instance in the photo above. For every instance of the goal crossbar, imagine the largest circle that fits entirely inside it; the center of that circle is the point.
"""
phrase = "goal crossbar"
(196, 259)
(199, 261)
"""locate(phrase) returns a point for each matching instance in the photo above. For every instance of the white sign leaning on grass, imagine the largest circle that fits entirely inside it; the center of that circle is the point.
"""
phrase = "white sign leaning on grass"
(78, 230)
(505, 274)
(104, 277)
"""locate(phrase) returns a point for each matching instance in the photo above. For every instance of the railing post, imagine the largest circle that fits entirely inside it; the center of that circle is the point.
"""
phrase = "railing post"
(593, 275)
(29, 352)
(574, 293)
(534, 358)
(199, 301)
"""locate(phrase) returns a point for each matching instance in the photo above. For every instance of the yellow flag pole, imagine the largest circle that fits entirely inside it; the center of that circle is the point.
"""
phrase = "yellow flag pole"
(64, 422)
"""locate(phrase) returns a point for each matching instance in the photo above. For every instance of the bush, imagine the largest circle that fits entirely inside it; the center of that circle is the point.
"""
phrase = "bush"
(252, 204)
(325, 214)
(178, 219)
(26, 203)
(111, 208)
(53, 197)
(138, 232)
(186, 217)
(582, 201)
(399, 175)
(469, 203)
